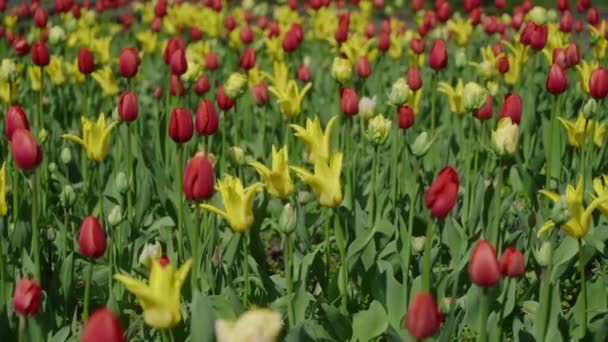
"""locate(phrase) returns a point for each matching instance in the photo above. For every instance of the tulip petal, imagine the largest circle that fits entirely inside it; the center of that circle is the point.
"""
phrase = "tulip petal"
(554, 197)
(74, 138)
(545, 227)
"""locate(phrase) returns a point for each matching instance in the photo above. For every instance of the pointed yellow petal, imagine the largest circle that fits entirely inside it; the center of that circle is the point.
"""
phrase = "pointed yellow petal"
(73, 138)
(554, 197)
(545, 227)
(214, 209)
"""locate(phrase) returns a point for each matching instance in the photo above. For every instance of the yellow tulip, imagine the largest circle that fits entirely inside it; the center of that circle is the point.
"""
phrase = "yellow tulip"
(260, 325)
(579, 131)
(323, 23)
(505, 138)
(274, 48)
(316, 141)
(584, 69)
(461, 30)
(290, 98)
(278, 181)
(55, 70)
(95, 137)
(106, 81)
(160, 298)
(9, 22)
(75, 75)
(3, 206)
(148, 40)
(325, 181)
(33, 72)
(600, 185)
(396, 48)
(454, 95)
(358, 46)
(101, 48)
(578, 217)
(413, 100)
(486, 69)
(7, 92)
(280, 75)
(238, 203)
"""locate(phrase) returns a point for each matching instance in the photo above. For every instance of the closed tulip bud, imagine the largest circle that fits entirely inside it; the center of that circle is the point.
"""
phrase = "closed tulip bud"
(566, 22)
(237, 155)
(578, 26)
(500, 4)
(582, 5)
(438, 57)
(505, 138)
(423, 317)
(474, 96)
(475, 16)
(202, 85)
(27, 297)
(422, 144)
(417, 45)
(341, 34)
(485, 112)
(512, 263)
(414, 80)
(235, 85)
(86, 63)
(8, 70)
(198, 178)
(559, 57)
(400, 92)
(444, 12)
(572, 54)
(260, 94)
(598, 83)
(290, 41)
(91, 238)
(127, 106)
(370, 30)
(160, 9)
(589, 108)
(178, 62)
(441, 196)
(557, 82)
(273, 29)
(538, 36)
(67, 196)
(21, 46)
(206, 118)
(593, 16)
(503, 65)
(406, 117)
(563, 5)
(129, 62)
(223, 101)
(538, 15)
(14, 119)
(150, 253)
(115, 216)
(483, 266)
(230, 23)
(40, 54)
(417, 5)
(288, 219)
(384, 41)
(349, 101)
(121, 182)
(341, 70)
(158, 93)
(181, 127)
(247, 35)
(248, 58)
(177, 86)
(364, 69)
(378, 129)
(25, 150)
(304, 73)
(511, 108)
(543, 254)
(195, 33)
(65, 156)
(173, 44)
(40, 17)
(367, 106)
(102, 325)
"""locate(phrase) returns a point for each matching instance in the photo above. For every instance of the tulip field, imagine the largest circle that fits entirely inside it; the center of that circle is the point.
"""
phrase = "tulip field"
(303, 170)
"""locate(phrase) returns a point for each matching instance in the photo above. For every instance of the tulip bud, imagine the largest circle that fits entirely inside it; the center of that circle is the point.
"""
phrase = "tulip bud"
(178, 62)
(127, 106)
(121, 182)
(177, 86)
(304, 73)
(566, 22)
(364, 69)
(150, 253)
(418, 244)
(202, 85)
(511, 108)
(91, 238)
(40, 17)
(593, 16)
(198, 178)
(102, 325)
(173, 44)
(223, 101)
(438, 57)
(414, 80)
(378, 129)
(341, 34)
(538, 15)
(503, 65)
(367, 106)
(40, 54)
(559, 57)
(505, 138)
(441, 196)
(399, 92)
(422, 144)
(560, 214)
(260, 93)
(589, 108)
(21, 46)
(86, 64)
(598, 83)
(483, 267)
(287, 220)
(512, 263)
(14, 119)
(237, 155)
(115, 216)
(235, 85)
(56, 35)
(341, 70)
(349, 101)
(8, 70)
(248, 58)
(206, 118)
(557, 82)
(290, 41)
(67, 196)
(572, 54)
(230, 23)
(578, 26)
(195, 33)
(474, 96)
(485, 112)
(27, 297)
(423, 317)
(543, 255)
(181, 127)
(158, 93)
(129, 62)
(65, 156)
(406, 117)
(417, 45)
(26, 152)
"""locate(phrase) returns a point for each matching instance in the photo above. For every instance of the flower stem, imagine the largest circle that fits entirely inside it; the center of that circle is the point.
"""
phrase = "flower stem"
(502, 309)
(245, 237)
(545, 296)
(433, 95)
(581, 268)
(87, 292)
(35, 228)
(40, 95)
(483, 316)
(327, 244)
(22, 325)
(180, 200)
(15, 193)
(349, 158)
(129, 175)
(426, 261)
(371, 215)
(495, 225)
(224, 146)
(4, 227)
(195, 241)
(549, 147)
(340, 239)
(289, 279)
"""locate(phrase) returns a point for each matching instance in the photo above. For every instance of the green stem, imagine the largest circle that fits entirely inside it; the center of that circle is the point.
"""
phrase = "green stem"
(165, 336)
(245, 237)
(328, 213)
(87, 292)
(394, 168)
(224, 146)
(495, 225)
(426, 261)
(545, 296)
(349, 157)
(289, 279)
(15, 193)
(64, 234)
(340, 239)
(371, 218)
(180, 199)
(433, 95)
(549, 147)
(483, 317)
(195, 252)
(2, 289)
(581, 269)
(35, 228)
(407, 242)
(502, 309)
(40, 95)
(129, 175)
(22, 325)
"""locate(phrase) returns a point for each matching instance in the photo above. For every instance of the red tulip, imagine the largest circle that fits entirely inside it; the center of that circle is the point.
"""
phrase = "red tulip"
(503, 64)
(304, 73)
(223, 101)
(160, 9)
(441, 196)
(444, 12)
(206, 120)
(593, 16)
(475, 16)
(563, 5)
(158, 93)
(177, 88)
(173, 44)
(598, 83)
(470, 5)
(156, 24)
(417, 5)
(195, 33)
(86, 64)
(14, 119)
(273, 29)
(414, 80)
(181, 126)
(349, 101)
(417, 45)
(364, 69)
(248, 58)
(384, 41)
(198, 178)
(230, 23)
(40, 17)
(578, 26)
(511, 108)
(483, 266)
(247, 35)
(260, 93)
(102, 325)
(91, 238)
(566, 22)
(557, 82)
(559, 57)
(25, 150)
(485, 112)
(512, 264)
(370, 30)
(534, 35)
(341, 34)
(572, 54)
(129, 62)
(423, 317)
(21, 46)
(500, 4)
(211, 61)
(406, 117)
(127, 106)
(27, 297)
(438, 57)
(582, 5)
(290, 41)
(517, 20)
(202, 85)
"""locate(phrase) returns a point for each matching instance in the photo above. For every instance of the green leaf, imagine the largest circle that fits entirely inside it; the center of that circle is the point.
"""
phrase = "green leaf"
(202, 318)
(369, 324)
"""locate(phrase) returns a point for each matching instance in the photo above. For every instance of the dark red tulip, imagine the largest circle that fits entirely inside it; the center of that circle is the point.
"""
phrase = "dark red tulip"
(557, 81)
(582, 5)
(127, 20)
(40, 54)
(129, 62)
(559, 57)
(441, 196)
(444, 12)
(500, 4)
(247, 35)
(304, 73)
(230, 23)
(40, 17)
(102, 325)
(417, 5)
(563, 5)
(21, 46)
(25, 150)
(517, 20)
(511, 108)
(206, 121)
(417, 45)
(512, 263)
(470, 5)
(406, 117)
(178, 62)
(86, 63)
(370, 30)
(273, 29)
(160, 9)
(202, 85)
(341, 34)
(384, 41)
(572, 54)
(260, 93)
(248, 58)
(195, 33)
(181, 127)
(566, 22)
(364, 68)
(14, 119)
(177, 86)
(593, 16)
(578, 26)
(438, 57)
(290, 41)
(598, 83)
(127, 106)
(485, 112)
(158, 93)
(423, 317)
(156, 24)
(198, 179)
(502, 64)
(475, 16)
(349, 101)
(27, 297)
(211, 61)
(483, 266)
(173, 44)
(534, 35)
(223, 101)
(293, 4)
(298, 31)
(414, 79)
(91, 238)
